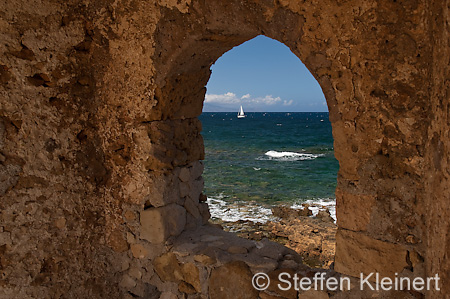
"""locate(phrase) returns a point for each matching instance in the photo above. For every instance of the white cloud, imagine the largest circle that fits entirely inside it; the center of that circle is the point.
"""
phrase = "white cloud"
(267, 100)
(231, 101)
(227, 98)
(231, 98)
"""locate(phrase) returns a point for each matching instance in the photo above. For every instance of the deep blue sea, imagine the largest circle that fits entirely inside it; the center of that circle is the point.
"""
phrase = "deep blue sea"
(267, 159)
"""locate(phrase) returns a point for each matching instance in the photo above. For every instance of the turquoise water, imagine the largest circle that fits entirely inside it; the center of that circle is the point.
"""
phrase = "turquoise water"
(267, 159)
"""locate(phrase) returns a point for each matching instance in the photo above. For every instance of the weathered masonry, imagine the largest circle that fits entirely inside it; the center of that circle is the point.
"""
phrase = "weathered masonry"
(100, 179)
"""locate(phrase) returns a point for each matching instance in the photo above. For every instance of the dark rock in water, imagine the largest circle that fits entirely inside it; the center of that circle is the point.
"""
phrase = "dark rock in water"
(287, 213)
(305, 211)
(325, 216)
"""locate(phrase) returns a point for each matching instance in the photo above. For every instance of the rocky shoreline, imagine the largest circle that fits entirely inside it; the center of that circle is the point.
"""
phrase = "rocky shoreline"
(312, 237)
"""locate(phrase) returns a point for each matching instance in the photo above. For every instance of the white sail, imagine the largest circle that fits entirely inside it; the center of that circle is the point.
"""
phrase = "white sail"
(241, 113)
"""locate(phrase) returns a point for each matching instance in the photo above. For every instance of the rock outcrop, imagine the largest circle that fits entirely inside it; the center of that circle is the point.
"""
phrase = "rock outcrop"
(313, 238)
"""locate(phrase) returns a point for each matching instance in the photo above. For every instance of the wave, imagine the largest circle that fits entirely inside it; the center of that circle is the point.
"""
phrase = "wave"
(238, 210)
(316, 205)
(234, 211)
(290, 156)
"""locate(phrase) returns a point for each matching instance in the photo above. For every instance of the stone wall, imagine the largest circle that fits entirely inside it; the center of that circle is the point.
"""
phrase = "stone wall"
(100, 144)
(437, 228)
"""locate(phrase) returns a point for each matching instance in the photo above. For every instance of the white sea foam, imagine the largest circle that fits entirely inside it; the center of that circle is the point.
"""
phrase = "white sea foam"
(316, 205)
(238, 211)
(255, 212)
(290, 156)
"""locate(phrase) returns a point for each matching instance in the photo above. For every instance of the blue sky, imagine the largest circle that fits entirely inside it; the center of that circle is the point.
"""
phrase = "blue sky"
(262, 75)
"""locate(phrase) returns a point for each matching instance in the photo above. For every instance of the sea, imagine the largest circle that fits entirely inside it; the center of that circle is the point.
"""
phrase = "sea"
(268, 159)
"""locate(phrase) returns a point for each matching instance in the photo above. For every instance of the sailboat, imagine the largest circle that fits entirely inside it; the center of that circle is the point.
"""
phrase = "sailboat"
(241, 113)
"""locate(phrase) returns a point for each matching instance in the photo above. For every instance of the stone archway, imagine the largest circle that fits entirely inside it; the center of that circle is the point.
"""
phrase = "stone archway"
(100, 143)
(371, 114)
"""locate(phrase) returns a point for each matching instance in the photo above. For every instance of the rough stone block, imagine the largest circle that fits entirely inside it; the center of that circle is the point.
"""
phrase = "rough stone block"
(204, 211)
(289, 264)
(191, 275)
(343, 151)
(196, 189)
(232, 280)
(184, 189)
(168, 295)
(174, 143)
(258, 263)
(204, 259)
(197, 169)
(358, 253)
(186, 288)
(192, 222)
(185, 174)
(157, 224)
(192, 208)
(138, 251)
(270, 249)
(135, 272)
(353, 211)
(237, 250)
(168, 268)
(127, 282)
(117, 241)
(165, 189)
(275, 281)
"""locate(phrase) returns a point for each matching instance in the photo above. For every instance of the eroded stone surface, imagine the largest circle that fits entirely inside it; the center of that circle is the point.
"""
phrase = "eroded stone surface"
(358, 254)
(349, 217)
(168, 267)
(232, 280)
(157, 224)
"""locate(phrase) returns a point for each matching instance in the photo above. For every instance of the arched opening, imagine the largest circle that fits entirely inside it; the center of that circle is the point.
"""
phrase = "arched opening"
(369, 238)
(278, 162)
